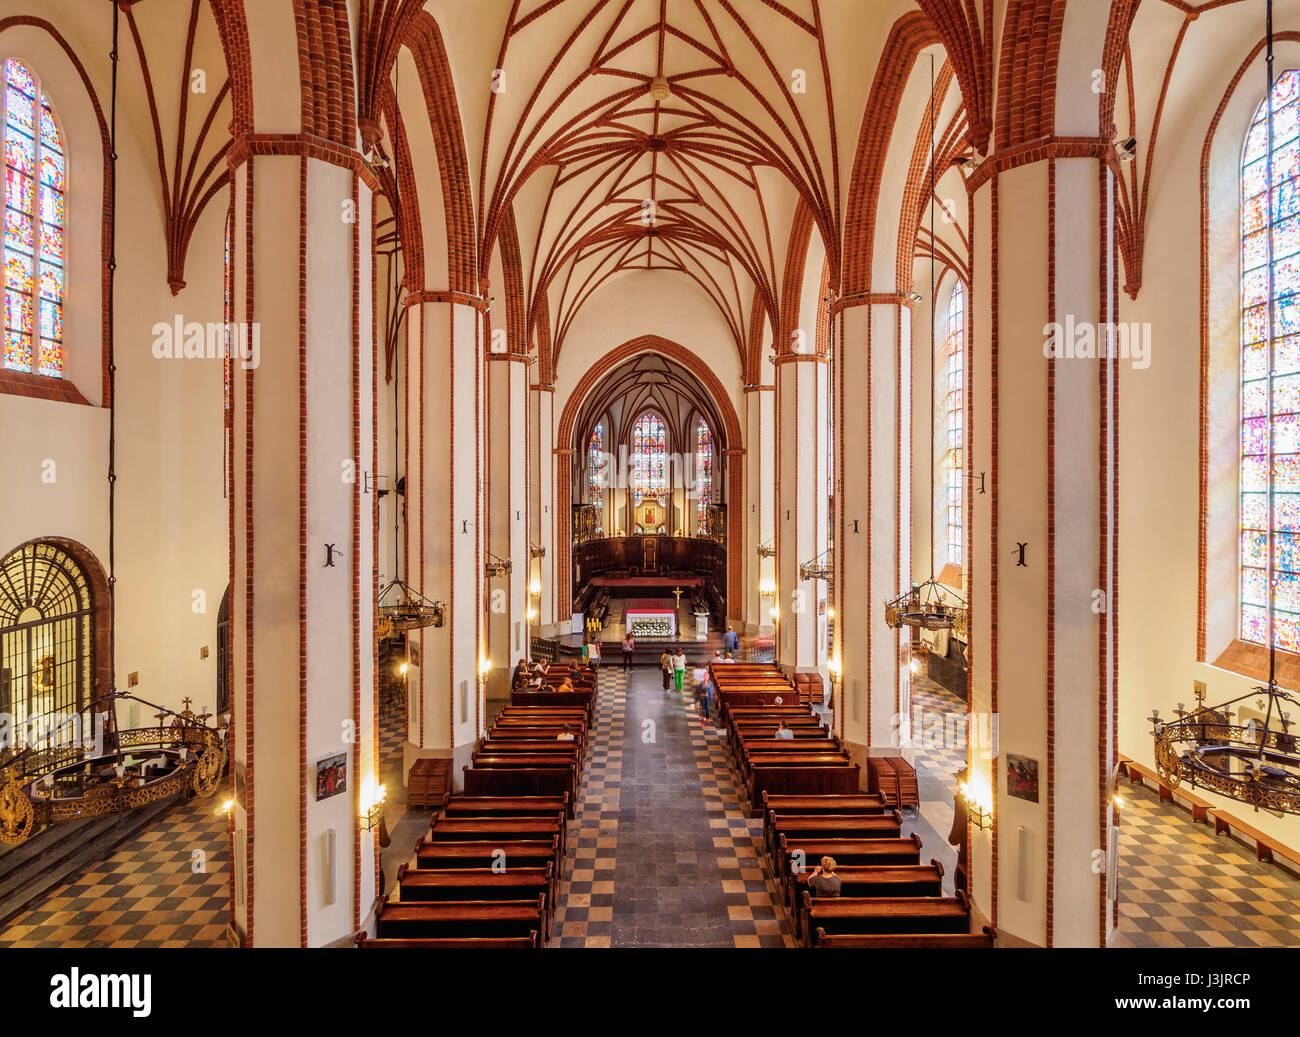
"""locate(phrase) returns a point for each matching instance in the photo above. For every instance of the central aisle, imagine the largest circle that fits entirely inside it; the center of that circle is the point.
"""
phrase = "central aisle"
(663, 854)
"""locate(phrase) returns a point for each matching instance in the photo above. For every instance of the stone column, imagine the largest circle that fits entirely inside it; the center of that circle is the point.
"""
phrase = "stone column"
(801, 383)
(445, 394)
(760, 504)
(542, 501)
(507, 516)
(872, 336)
(303, 544)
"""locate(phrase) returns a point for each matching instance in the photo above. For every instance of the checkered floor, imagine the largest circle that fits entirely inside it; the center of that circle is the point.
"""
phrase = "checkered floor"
(661, 854)
(1180, 885)
(167, 887)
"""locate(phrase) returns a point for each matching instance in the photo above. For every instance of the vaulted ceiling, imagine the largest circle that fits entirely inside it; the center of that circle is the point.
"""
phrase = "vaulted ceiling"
(657, 134)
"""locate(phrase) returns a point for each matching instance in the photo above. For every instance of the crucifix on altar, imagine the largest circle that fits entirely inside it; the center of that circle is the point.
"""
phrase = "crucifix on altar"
(677, 593)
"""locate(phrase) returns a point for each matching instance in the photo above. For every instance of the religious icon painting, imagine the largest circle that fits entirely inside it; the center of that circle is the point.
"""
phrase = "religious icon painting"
(331, 776)
(1022, 777)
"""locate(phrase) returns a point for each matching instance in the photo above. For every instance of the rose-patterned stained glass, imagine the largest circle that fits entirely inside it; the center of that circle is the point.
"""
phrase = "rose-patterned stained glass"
(1275, 213)
(955, 405)
(649, 460)
(703, 474)
(34, 226)
(596, 472)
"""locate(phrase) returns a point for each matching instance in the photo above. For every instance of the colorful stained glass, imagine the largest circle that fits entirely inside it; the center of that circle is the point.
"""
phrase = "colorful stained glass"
(703, 474)
(649, 460)
(955, 369)
(596, 462)
(34, 226)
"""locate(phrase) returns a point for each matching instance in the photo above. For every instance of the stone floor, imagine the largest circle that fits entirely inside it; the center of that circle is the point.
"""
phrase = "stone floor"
(662, 854)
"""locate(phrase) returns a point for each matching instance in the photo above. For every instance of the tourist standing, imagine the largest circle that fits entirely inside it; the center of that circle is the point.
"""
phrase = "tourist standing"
(666, 665)
(629, 644)
(679, 669)
(731, 641)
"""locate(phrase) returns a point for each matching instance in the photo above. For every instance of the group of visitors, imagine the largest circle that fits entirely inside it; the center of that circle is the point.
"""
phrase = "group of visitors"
(533, 678)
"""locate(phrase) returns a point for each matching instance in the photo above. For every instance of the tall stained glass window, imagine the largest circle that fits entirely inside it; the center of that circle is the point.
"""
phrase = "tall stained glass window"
(1282, 413)
(35, 175)
(703, 473)
(955, 406)
(596, 472)
(649, 459)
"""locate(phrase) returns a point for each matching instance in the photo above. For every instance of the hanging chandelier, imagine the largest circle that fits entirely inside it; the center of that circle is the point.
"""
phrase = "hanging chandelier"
(404, 608)
(1255, 762)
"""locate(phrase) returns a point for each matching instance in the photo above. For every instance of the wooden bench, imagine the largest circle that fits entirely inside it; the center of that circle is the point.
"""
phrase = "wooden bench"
(504, 782)
(493, 943)
(835, 826)
(894, 777)
(461, 919)
(516, 853)
(914, 941)
(905, 849)
(512, 806)
(884, 916)
(1137, 774)
(478, 884)
(500, 828)
(1266, 846)
(806, 805)
(835, 781)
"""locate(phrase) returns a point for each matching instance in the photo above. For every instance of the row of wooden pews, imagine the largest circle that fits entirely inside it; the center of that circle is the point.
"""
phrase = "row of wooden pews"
(808, 792)
(754, 700)
(487, 872)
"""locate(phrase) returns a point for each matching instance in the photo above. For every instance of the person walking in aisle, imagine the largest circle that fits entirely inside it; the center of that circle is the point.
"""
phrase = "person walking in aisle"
(666, 666)
(629, 643)
(679, 669)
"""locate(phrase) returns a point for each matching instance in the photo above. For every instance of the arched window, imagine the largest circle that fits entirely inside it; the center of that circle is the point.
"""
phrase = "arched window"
(649, 459)
(596, 472)
(1278, 416)
(703, 473)
(954, 404)
(35, 172)
(45, 636)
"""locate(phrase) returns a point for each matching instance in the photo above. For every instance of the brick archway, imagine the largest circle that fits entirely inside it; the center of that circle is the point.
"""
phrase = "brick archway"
(565, 451)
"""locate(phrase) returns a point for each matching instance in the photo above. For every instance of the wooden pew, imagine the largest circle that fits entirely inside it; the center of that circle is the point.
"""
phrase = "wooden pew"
(863, 804)
(835, 826)
(497, 829)
(461, 919)
(538, 765)
(478, 884)
(802, 780)
(557, 781)
(881, 916)
(516, 853)
(905, 849)
(511, 806)
(905, 880)
(494, 943)
(1265, 845)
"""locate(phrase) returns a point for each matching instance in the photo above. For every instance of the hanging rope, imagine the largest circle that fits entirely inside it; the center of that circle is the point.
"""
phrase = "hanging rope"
(112, 383)
(1268, 181)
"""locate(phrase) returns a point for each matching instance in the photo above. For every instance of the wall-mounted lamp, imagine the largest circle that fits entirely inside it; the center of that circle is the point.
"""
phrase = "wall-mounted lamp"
(373, 812)
(767, 588)
(484, 670)
(403, 668)
(978, 800)
(535, 587)
(836, 670)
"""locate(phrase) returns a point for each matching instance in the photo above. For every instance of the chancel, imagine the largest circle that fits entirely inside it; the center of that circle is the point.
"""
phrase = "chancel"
(680, 473)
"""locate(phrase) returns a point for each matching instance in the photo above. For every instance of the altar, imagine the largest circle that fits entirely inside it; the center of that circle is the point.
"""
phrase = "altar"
(652, 623)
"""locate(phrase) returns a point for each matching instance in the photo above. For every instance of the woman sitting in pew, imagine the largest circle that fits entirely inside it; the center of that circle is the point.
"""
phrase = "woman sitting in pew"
(823, 881)
(565, 735)
(783, 733)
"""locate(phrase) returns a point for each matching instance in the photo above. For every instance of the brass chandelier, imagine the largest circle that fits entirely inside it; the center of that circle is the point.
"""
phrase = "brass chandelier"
(1252, 762)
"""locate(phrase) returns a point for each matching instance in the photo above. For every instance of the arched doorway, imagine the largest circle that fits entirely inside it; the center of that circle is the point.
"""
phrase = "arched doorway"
(47, 637)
